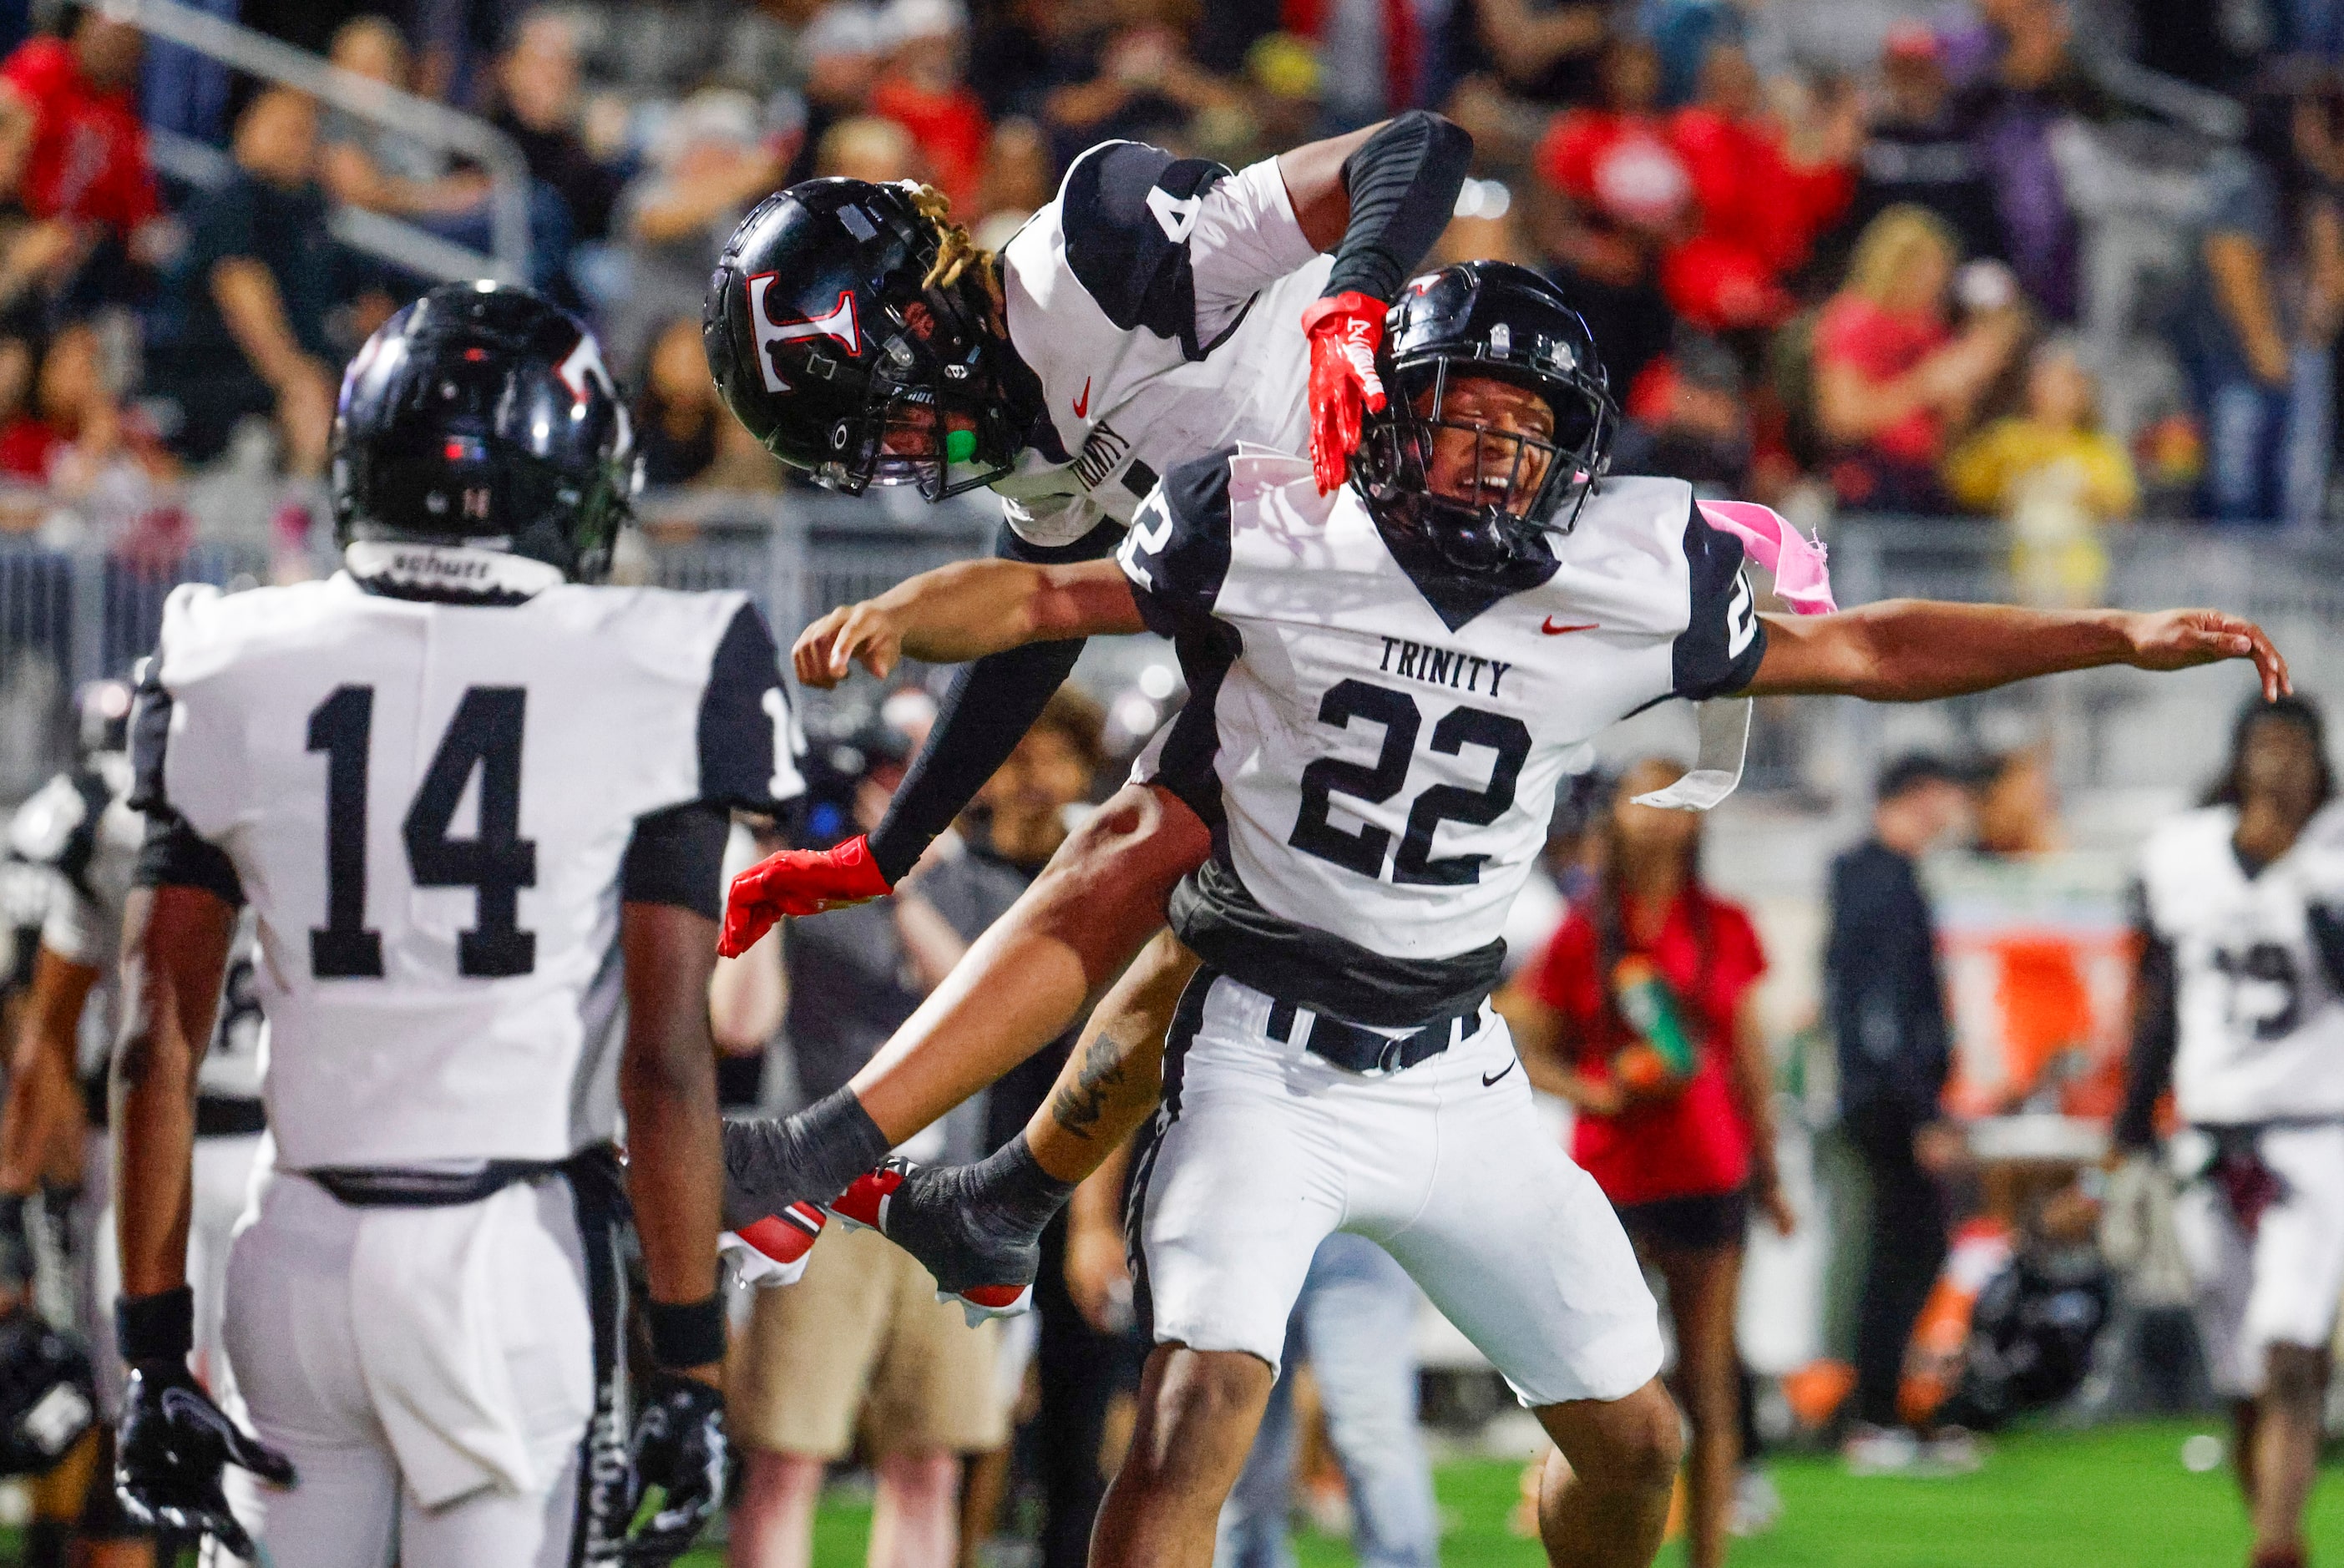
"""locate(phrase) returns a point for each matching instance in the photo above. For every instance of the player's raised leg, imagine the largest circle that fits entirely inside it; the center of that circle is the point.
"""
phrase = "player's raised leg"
(1085, 918)
(1017, 988)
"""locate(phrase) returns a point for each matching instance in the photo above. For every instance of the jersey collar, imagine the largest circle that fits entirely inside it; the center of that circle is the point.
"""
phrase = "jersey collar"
(447, 573)
(1457, 597)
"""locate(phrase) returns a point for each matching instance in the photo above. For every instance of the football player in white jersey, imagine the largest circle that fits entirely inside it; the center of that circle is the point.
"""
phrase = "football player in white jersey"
(1158, 307)
(2241, 1014)
(81, 827)
(1386, 684)
(478, 808)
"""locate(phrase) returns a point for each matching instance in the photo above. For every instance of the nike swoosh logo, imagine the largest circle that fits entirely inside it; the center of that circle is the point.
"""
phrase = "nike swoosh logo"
(1083, 403)
(1501, 1072)
(1552, 630)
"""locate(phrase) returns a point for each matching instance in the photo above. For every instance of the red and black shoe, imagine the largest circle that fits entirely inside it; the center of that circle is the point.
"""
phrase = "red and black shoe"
(933, 1213)
(771, 1252)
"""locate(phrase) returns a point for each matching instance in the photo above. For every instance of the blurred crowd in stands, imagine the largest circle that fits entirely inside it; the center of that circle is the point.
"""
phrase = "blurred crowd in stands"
(2062, 262)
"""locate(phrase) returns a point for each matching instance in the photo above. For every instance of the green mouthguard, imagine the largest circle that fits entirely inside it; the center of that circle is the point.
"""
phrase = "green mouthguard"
(960, 446)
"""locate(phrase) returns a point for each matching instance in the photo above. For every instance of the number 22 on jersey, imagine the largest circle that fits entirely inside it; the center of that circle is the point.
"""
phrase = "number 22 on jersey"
(496, 862)
(1363, 849)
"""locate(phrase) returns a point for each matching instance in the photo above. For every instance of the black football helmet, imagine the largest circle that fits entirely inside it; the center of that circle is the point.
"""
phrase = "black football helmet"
(484, 415)
(850, 327)
(1496, 320)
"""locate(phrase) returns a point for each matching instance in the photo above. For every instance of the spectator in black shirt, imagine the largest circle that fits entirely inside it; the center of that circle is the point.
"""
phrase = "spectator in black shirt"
(257, 292)
(1918, 151)
(1888, 1011)
(539, 110)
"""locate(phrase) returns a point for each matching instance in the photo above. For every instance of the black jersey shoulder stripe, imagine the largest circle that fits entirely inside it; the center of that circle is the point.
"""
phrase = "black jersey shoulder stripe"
(1722, 645)
(1126, 212)
(1177, 553)
(744, 732)
(1184, 766)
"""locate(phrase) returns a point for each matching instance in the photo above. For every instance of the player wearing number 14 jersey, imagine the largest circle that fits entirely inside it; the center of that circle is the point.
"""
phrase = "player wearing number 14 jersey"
(478, 807)
(1386, 684)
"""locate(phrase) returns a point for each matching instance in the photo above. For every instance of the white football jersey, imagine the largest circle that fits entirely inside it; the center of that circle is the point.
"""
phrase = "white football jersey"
(429, 806)
(1377, 745)
(2260, 1017)
(82, 827)
(1160, 301)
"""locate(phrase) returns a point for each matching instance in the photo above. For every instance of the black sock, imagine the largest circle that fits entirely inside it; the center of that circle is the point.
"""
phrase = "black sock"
(978, 1224)
(810, 1156)
(1009, 1184)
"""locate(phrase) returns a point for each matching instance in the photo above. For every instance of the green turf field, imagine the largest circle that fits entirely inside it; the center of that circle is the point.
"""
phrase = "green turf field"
(2111, 1499)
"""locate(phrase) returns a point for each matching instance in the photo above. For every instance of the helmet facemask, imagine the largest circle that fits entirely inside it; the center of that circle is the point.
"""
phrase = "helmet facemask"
(935, 416)
(1524, 487)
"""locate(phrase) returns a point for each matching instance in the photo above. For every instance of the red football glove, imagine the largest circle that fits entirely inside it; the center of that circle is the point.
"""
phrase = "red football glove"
(1345, 332)
(798, 882)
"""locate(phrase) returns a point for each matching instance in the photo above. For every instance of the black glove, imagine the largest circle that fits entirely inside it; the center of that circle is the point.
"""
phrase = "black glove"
(680, 1461)
(170, 1450)
(16, 1243)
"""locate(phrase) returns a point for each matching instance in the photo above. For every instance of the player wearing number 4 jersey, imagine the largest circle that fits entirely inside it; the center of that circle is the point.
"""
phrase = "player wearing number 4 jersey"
(1159, 307)
(478, 809)
(1380, 706)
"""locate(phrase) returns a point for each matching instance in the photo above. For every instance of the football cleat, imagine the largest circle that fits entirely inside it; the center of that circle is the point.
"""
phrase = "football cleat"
(924, 1216)
(771, 1252)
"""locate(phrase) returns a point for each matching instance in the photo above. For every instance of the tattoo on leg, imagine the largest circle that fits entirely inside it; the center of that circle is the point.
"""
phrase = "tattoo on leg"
(1078, 1106)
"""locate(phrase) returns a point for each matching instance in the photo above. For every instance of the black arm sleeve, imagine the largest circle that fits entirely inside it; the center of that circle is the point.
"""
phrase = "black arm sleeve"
(1403, 183)
(173, 855)
(992, 704)
(677, 856)
(2156, 1036)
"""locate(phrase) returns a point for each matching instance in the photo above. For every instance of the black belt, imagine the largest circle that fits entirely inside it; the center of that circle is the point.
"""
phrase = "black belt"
(1358, 1049)
(229, 1115)
(389, 1187)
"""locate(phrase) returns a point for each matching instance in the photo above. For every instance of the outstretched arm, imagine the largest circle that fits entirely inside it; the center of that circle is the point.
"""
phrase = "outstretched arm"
(966, 610)
(1914, 650)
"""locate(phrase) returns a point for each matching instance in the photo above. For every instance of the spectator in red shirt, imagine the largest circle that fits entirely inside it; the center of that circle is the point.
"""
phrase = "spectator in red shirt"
(1894, 380)
(922, 91)
(1758, 200)
(70, 134)
(1681, 1157)
(1627, 196)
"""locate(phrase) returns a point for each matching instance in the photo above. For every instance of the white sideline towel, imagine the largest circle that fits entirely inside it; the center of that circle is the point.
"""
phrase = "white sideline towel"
(1801, 581)
(1717, 769)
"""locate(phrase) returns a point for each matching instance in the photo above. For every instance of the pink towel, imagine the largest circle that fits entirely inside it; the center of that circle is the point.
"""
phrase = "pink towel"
(1797, 561)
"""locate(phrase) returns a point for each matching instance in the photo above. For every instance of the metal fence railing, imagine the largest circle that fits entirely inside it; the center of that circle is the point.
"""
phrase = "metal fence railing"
(2112, 732)
(72, 612)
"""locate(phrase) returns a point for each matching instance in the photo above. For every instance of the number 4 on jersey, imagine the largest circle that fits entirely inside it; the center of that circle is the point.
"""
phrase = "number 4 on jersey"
(496, 863)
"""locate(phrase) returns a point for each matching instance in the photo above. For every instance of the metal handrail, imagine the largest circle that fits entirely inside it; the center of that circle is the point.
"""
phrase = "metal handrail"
(258, 54)
(393, 239)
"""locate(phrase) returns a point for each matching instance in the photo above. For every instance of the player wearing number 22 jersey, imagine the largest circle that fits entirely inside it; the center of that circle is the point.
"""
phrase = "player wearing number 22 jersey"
(1385, 685)
(475, 804)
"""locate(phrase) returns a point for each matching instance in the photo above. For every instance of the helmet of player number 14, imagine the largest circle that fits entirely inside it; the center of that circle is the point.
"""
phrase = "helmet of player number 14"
(851, 326)
(1493, 319)
(483, 415)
